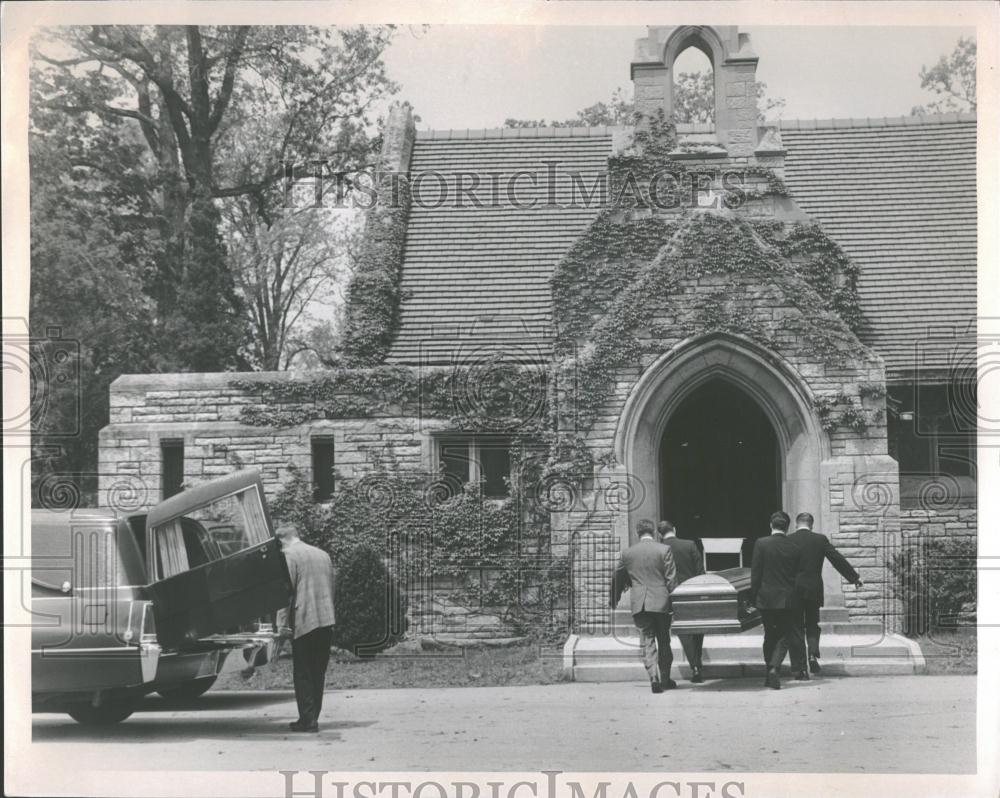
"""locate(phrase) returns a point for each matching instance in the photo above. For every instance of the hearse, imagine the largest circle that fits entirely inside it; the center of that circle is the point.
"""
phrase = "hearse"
(125, 605)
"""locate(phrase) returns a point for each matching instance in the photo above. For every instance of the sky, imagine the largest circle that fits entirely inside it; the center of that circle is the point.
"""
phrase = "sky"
(477, 76)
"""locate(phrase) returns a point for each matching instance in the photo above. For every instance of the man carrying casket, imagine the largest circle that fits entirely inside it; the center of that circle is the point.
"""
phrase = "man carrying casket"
(776, 563)
(688, 561)
(646, 569)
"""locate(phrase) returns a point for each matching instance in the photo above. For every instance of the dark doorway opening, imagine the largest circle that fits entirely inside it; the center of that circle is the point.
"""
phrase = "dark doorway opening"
(719, 466)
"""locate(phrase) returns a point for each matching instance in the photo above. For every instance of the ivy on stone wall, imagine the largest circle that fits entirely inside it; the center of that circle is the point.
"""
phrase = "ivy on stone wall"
(705, 271)
(482, 552)
(491, 395)
(371, 314)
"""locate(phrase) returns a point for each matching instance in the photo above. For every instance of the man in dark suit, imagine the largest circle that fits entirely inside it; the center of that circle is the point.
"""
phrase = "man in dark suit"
(815, 548)
(776, 563)
(646, 569)
(688, 561)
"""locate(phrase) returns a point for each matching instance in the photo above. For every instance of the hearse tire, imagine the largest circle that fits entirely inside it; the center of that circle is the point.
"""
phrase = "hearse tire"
(188, 690)
(107, 714)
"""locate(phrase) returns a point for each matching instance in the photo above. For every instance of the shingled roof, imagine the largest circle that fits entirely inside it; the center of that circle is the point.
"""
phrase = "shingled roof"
(898, 195)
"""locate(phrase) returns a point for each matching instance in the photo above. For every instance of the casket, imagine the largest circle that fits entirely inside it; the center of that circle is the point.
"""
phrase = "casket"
(714, 603)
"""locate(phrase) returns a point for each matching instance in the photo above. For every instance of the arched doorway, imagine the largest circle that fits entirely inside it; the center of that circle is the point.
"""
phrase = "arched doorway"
(719, 464)
(765, 384)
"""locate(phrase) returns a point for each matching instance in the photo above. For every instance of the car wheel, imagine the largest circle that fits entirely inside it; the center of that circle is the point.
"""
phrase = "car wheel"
(107, 714)
(187, 690)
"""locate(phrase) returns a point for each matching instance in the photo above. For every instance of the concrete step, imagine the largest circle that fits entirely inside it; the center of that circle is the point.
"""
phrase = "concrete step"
(634, 671)
(623, 627)
(617, 658)
(827, 616)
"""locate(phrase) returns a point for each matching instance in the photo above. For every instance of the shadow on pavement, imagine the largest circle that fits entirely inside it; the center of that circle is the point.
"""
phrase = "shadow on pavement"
(751, 684)
(242, 718)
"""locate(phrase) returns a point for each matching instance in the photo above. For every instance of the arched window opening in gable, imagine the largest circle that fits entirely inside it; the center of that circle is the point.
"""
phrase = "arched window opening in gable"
(694, 86)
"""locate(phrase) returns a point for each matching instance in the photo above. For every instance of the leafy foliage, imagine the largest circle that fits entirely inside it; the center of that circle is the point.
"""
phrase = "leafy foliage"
(628, 267)
(491, 553)
(952, 79)
(372, 308)
(936, 580)
(693, 102)
(139, 138)
(371, 608)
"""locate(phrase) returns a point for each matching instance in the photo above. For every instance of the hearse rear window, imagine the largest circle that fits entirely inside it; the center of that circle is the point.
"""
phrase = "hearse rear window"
(211, 532)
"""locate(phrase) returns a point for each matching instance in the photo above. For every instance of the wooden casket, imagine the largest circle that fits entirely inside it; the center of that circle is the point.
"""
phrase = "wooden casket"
(714, 603)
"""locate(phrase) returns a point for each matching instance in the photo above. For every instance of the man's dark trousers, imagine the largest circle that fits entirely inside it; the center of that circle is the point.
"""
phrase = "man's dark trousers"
(783, 630)
(810, 620)
(310, 657)
(654, 637)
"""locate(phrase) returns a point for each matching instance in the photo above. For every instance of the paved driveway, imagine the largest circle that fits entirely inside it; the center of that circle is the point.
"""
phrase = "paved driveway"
(851, 725)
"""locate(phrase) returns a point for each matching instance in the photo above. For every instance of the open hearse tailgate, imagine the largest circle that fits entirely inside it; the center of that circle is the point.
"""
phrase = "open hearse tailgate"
(213, 562)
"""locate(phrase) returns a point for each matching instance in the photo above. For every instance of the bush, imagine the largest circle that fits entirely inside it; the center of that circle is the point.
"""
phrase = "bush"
(936, 580)
(370, 607)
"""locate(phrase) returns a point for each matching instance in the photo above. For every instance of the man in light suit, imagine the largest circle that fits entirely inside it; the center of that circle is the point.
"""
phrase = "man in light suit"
(309, 622)
(776, 563)
(646, 569)
(815, 549)
(689, 562)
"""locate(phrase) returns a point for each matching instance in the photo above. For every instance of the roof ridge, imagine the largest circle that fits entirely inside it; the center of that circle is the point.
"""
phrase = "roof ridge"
(588, 131)
(875, 121)
(458, 134)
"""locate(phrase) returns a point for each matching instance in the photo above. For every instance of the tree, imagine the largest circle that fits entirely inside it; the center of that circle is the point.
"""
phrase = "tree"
(196, 93)
(91, 249)
(953, 79)
(693, 102)
(139, 136)
(286, 264)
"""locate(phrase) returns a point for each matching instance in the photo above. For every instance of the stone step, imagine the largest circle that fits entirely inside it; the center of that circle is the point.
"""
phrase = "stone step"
(827, 615)
(635, 672)
(609, 658)
(625, 628)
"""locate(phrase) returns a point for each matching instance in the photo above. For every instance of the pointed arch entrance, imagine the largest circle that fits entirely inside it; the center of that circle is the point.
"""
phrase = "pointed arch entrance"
(713, 387)
(719, 469)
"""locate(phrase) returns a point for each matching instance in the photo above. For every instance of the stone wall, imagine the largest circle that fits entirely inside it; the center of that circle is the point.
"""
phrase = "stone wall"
(203, 411)
(957, 519)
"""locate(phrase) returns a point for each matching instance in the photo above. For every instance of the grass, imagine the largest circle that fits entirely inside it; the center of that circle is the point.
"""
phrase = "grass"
(520, 665)
(949, 651)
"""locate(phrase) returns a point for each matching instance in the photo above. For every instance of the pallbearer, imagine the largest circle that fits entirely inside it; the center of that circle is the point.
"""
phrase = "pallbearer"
(776, 562)
(688, 561)
(647, 571)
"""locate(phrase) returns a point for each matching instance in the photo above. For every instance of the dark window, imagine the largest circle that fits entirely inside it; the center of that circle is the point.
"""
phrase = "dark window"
(494, 460)
(322, 467)
(172, 467)
(930, 432)
(467, 459)
(455, 462)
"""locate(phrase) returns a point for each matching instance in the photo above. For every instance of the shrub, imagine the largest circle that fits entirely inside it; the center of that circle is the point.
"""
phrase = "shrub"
(370, 607)
(936, 580)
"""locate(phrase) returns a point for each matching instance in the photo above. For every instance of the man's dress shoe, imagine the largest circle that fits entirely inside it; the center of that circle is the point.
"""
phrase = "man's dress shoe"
(299, 726)
(656, 687)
